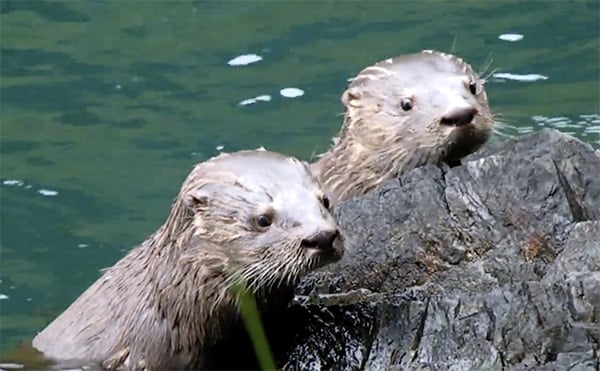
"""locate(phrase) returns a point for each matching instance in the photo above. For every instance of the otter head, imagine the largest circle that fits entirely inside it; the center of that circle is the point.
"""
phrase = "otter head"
(260, 219)
(402, 113)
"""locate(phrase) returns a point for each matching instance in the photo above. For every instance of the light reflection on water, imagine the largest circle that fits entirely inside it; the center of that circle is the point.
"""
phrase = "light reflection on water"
(106, 107)
(586, 127)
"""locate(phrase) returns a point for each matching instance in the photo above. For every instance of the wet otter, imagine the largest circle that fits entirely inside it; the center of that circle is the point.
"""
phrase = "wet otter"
(402, 113)
(255, 217)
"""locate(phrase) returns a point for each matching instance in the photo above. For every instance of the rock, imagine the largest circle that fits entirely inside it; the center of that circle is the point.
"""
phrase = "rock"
(494, 264)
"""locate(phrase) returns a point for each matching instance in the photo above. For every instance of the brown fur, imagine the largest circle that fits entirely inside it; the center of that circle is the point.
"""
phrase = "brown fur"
(168, 299)
(379, 140)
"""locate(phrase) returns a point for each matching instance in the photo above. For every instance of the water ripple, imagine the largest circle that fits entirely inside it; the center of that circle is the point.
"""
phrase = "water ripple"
(586, 126)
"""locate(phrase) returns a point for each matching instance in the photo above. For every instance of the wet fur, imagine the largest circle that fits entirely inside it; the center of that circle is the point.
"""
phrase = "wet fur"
(168, 299)
(379, 141)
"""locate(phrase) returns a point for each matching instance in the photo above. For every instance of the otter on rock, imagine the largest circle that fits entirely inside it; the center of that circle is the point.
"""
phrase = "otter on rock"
(255, 217)
(402, 113)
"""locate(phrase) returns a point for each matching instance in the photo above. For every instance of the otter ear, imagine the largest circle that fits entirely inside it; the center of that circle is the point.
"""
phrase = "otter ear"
(196, 197)
(350, 95)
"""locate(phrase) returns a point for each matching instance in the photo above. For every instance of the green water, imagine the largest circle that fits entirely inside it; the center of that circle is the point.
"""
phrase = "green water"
(105, 107)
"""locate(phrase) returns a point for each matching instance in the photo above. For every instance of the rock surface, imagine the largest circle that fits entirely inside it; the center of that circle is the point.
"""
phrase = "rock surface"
(491, 265)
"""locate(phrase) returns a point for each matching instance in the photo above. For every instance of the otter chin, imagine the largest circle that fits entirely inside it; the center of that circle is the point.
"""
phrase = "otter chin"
(255, 218)
(402, 113)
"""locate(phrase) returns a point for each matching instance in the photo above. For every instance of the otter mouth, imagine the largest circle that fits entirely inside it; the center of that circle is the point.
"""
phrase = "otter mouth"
(459, 117)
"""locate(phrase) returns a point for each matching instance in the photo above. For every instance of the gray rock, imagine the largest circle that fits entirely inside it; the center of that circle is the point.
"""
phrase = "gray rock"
(491, 265)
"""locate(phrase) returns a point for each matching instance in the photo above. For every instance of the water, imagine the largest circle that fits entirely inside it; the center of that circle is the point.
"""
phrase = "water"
(107, 105)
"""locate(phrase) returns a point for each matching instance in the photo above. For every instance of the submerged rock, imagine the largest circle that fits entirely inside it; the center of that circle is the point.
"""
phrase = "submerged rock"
(494, 264)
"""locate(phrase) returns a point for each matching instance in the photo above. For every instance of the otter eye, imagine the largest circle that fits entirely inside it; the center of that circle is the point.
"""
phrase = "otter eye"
(263, 220)
(325, 201)
(406, 104)
(473, 88)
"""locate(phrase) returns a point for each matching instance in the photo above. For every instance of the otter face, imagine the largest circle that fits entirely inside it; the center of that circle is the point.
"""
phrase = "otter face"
(265, 214)
(422, 108)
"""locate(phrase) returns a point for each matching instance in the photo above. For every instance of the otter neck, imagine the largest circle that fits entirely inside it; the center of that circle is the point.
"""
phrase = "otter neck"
(173, 256)
(351, 167)
(174, 234)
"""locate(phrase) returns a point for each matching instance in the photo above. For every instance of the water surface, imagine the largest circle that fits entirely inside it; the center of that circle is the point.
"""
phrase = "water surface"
(105, 107)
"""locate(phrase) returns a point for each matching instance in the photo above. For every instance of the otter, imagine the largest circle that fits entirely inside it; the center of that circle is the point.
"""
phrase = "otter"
(258, 218)
(402, 113)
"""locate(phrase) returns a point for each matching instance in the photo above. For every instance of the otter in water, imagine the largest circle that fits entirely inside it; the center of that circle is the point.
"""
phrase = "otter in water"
(252, 217)
(403, 113)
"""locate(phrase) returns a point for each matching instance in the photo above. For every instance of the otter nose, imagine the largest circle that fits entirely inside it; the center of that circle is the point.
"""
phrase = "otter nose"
(459, 116)
(322, 240)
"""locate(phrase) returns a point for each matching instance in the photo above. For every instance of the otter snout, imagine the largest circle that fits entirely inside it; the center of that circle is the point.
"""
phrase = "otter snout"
(322, 241)
(459, 116)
